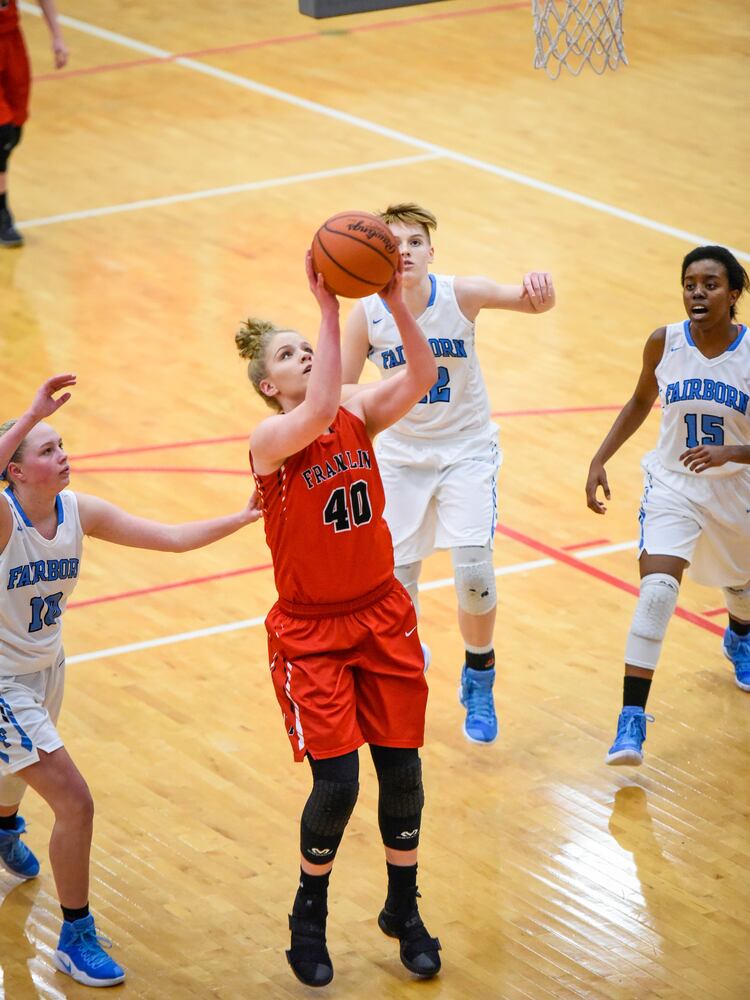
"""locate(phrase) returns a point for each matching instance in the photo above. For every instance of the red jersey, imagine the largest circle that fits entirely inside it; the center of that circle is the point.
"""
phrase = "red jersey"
(8, 16)
(323, 515)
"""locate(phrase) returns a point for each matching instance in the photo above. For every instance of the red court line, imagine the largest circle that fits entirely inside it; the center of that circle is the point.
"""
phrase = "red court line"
(169, 586)
(243, 437)
(308, 36)
(159, 447)
(163, 468)
(716, 611)
(585, 545)
(598, 574)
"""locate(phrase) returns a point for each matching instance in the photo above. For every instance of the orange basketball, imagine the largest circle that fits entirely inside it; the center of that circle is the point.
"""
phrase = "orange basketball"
(356, 254)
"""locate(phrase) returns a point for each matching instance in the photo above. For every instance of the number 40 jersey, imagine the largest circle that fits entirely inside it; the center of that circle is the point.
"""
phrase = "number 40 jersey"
(38, 575)
(323, 517)
(704, 400)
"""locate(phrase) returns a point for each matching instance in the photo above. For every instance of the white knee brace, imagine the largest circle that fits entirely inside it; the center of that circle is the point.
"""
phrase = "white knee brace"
(738, 602)
(408, 575)
(474, 576)
(652, 613)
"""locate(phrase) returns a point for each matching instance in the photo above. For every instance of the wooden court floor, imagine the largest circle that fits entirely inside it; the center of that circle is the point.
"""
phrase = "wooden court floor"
(168, 184)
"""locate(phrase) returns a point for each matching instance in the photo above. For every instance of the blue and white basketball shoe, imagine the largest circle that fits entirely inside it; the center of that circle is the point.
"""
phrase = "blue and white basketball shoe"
(80, 954)
(631, 735)
(476, 696)
(15, 855)
(737, 651)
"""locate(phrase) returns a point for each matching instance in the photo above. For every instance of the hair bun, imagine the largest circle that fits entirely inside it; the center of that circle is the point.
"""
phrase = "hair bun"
(249, 337)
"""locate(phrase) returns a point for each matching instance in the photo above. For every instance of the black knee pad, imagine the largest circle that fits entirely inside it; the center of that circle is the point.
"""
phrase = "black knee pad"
(10, 136)
(324, 818)
(400, 801)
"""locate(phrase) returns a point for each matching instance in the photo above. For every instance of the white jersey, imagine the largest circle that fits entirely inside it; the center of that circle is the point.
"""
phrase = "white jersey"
(703, 400)
(38, 575)
(457, 404)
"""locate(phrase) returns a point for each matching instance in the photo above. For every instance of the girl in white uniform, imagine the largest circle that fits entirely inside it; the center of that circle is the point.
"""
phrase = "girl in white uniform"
(439, 463)
(695, 510)
(42, 525)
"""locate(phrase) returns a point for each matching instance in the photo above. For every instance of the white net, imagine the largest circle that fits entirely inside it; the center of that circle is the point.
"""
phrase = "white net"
(574, 33)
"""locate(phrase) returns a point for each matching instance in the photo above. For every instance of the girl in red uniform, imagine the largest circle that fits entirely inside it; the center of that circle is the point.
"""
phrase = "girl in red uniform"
(14, 96)
(344, 652)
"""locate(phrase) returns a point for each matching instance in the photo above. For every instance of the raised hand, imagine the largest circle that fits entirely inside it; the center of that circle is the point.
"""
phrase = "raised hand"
(391, 294)
(44, 405)
(326, 299)
(597, 477)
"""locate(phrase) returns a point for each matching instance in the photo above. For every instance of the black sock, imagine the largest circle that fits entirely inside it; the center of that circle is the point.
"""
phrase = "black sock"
(402, 886)
(313, 885)
(739, 628)
(73, 914)
(635, 691)
(480, 661)
(3, 201)
(8, 822)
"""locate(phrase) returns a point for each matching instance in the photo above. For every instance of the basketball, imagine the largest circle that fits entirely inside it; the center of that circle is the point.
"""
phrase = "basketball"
(356, 254)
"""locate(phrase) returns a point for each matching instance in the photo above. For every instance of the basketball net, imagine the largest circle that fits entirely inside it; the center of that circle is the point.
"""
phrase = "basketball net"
(573, 33)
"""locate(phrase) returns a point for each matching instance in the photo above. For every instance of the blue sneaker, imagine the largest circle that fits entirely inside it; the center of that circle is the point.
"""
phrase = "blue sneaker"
(475, 695)
(15, 855)
(631, 735)
(737, 651)
(427, 656)
(81, 956)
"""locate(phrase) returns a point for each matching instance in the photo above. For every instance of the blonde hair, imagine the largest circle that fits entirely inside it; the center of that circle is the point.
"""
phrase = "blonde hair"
(17, 454)
(252, 340)
(408, 213)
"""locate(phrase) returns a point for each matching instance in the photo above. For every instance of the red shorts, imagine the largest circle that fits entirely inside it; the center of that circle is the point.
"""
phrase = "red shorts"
(352, 678)
(15, 79)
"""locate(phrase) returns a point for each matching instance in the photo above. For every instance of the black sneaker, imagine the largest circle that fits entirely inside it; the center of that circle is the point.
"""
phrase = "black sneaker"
(308, 955)
(419, 951)
(9, 235)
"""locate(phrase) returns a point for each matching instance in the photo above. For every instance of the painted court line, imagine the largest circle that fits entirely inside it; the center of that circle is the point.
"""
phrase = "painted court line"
(355, 121)
(167, 640)
(309, 36)
(175, 199)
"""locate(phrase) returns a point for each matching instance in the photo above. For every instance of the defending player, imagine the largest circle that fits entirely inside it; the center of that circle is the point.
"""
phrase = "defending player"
(42, 524)
(440, 462)
(695, 510)
(345, 657)
(15, 79)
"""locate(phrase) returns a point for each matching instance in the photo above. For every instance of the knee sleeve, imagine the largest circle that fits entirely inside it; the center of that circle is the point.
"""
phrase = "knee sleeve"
(329, 806)
(401, 796)
(408, 576)
(652, 613)
(10, 136)
(738, 602)
(474, 575)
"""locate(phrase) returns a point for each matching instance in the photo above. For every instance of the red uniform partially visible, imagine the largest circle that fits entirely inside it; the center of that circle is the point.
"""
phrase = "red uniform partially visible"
(15, 74)
(344, 652)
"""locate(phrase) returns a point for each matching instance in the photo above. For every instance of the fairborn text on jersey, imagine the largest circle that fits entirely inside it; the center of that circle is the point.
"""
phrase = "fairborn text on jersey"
(708, 389)
(42, 569)
(342, 460)
(442, 347)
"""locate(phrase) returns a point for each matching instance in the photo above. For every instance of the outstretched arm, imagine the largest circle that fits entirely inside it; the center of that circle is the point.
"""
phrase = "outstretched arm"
(385, 402)
(627, 422)
(285, 434)
(101, 519)
(535, 294)
(59, 48)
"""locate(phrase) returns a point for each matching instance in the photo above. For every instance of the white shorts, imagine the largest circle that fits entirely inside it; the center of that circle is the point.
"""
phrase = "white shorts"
(705, 521)
(29, 708)
(439, 495)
